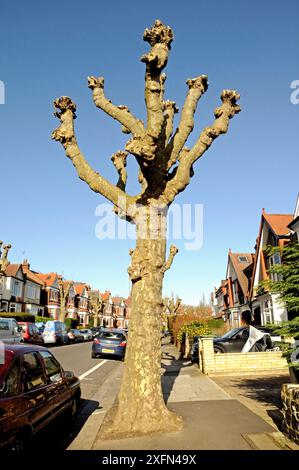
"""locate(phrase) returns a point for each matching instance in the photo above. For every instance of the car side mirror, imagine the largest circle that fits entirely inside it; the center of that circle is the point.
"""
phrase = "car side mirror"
(69, 374)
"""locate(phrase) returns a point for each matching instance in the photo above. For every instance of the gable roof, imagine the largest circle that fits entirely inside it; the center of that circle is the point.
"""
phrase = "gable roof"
(48, 279)
(279, 223)
(239, 267)
(32, 276)
(117, 300)
(106, 295)
(12, 270)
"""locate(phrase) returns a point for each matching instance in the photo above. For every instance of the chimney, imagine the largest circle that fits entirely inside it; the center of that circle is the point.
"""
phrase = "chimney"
(26, 264)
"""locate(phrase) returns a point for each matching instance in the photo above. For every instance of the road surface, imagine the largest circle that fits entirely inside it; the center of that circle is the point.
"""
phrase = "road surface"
(92, 373)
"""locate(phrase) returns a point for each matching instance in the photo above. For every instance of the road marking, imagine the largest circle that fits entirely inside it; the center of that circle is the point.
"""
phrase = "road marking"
(81, 377)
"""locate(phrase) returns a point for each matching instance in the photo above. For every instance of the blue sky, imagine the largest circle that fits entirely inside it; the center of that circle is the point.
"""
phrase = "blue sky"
(47, 49)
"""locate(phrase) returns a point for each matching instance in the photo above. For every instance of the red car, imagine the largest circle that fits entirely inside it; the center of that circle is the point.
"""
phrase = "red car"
(31, 333)
(34, 390)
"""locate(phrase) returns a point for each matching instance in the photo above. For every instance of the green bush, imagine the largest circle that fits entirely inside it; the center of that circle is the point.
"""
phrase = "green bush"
(193, 328)
(19, 316)
(41, 319)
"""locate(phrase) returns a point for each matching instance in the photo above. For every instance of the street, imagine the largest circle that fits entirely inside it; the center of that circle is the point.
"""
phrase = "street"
(92, 373)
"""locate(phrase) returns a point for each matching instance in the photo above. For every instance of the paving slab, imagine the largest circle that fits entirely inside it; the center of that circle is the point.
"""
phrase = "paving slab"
(209, 425)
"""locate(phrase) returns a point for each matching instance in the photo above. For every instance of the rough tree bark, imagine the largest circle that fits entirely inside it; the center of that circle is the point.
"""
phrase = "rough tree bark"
(97, 306)
(64, 289)
(165, 169)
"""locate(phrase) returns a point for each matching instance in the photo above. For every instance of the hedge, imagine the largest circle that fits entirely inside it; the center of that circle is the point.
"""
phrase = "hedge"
(19, 316)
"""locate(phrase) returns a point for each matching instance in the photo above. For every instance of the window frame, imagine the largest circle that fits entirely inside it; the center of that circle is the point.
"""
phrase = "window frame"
(19, 391)
(24, 391)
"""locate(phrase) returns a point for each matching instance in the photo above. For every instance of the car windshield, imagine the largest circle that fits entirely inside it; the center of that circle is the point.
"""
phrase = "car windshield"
(111, 335)
(231, 333)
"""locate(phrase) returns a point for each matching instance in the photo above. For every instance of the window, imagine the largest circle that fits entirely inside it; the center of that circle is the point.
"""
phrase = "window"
(53, 369)
(32, 291)
(16, 289)
(10, 384)
(268, 312)
(275, 260)
(4, 325)
(53, 295)
(33, 372)
(243, 259)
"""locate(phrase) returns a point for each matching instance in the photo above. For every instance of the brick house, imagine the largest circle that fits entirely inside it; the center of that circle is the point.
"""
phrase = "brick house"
(50, 294)
(107, 316)
(118, 312)
(128, 303)
(233, 296)
(82, 303)
(274, 231)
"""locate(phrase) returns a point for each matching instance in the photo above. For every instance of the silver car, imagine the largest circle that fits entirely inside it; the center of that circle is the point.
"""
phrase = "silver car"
(87, 334)
(10, 331)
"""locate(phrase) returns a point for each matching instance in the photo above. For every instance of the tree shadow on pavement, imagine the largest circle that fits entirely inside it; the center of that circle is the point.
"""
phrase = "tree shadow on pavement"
(171, 371)
(61, 432)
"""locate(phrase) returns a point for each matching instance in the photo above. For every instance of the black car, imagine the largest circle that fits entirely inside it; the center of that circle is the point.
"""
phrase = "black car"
(234, 341)
(111, 342)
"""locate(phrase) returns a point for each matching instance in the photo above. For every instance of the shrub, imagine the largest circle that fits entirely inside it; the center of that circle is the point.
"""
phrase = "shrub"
(41, 319)
(193, 328)
(19, 316)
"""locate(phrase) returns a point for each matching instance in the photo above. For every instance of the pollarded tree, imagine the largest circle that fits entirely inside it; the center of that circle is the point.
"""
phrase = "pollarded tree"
(165, 169)
(64, 290)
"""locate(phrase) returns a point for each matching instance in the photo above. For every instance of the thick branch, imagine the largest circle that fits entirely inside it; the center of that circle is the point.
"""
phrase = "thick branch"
(65, 134)
(160, 38)
(197, 87)
(188, 157)
(119, 160)
(170, 110)
(120, 113)
(172, 252)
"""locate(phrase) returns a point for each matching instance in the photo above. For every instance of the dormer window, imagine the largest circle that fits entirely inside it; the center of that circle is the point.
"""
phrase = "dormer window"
(243, 259)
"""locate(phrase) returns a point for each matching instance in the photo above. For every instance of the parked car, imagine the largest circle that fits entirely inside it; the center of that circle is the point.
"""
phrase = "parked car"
(10, 331)
(109, 341)
(31, 333)
(75, 336)
(41, 326)
(34, 390)
(95, 330)
(234, 340)
(87, 334)
(55, 333)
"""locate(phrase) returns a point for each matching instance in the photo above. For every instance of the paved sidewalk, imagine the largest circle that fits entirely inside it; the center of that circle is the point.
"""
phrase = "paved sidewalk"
(213, 420)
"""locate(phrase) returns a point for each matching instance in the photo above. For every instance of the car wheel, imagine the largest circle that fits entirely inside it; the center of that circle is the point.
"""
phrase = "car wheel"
(73, 409)
(21, 442)
(218, 351)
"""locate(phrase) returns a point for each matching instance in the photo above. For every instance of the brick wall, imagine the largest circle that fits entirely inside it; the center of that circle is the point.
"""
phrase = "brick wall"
(290, 411)
(238, 363)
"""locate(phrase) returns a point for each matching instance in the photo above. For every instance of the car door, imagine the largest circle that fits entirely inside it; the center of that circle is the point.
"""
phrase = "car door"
(12, 406)
(59, 392)
(238, 341)
(35, 390)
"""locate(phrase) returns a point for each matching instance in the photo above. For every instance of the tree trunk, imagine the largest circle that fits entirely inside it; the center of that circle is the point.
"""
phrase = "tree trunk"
(140, 408)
